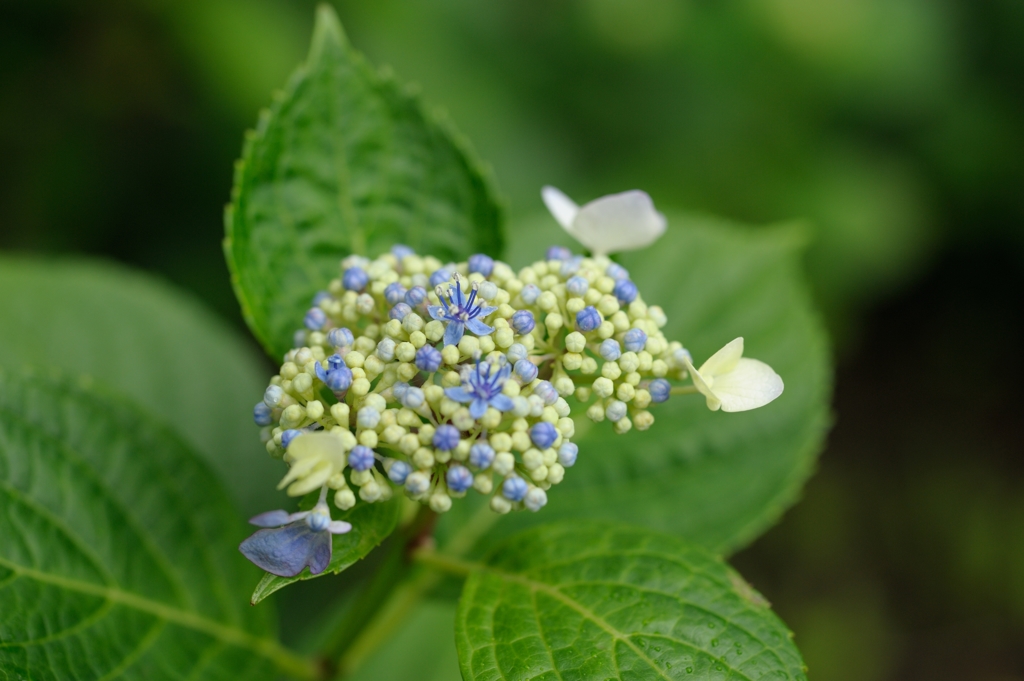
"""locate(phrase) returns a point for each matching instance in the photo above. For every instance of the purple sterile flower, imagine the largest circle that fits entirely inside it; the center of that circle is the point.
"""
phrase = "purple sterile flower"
(398, 472)
(361, 458)
(446, 437)
(481, 455)
(441, 276)
(625, 291)
(401, 250)
(481, 263)
(660, 390)
(340, 338)
(262, 414)
(635, 340)
(526, 370)
(338, 377)
(415, 296)
(482, 389)
(315, 319)
(289, 435)
(289, 542)
(588, 319)
(522, 322)
(320, 297)
(514, 488)
(394, 292)
(355, 279)
(558, 253)
(616, 271)
(459, 478)
(543, 434)
(460, 312)
(428, 358)
(399, 311)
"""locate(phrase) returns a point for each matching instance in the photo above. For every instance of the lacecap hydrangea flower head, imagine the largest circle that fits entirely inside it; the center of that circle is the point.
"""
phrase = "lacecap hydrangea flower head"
(437, 380)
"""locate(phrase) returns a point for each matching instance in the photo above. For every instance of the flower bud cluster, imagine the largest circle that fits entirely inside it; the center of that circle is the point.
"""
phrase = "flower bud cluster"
(424, 375)
(440, 379)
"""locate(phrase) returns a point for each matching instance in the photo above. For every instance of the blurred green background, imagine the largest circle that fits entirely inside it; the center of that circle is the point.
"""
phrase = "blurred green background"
(893, 128)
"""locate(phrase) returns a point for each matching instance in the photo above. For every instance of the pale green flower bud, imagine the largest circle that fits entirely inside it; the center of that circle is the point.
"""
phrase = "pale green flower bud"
(293, 416)
(501, 442)
(405, 352)
(504, 463)
(623, 425)
(434, 331)
(575, 342)
(553, 322)
(603, 387)
(344, 499)
(500, 504)
(629, 362)
(572, 361)
(450, 355)
(440, 502)
(423, 458)
(643, 420)
(611, 371)
(483, 483)
(574, 305)
(314, 410)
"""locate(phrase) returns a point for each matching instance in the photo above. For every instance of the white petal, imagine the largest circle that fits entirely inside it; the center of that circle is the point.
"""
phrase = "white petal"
(618, 222)
(723, 361)
(339, 527)
(751, 384)
(698, 382)
(561, 206)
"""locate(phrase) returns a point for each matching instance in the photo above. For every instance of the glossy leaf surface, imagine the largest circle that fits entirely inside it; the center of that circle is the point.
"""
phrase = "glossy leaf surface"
(592, 601)
(346, 160)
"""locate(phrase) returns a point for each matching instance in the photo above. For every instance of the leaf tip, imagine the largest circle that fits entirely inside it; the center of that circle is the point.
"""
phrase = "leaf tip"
(327, 29)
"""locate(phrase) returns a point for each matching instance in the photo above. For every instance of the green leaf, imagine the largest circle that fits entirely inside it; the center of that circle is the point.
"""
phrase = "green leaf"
(717, 479)
(371, 524)
(119, 553)
(345, 161)
(150, 342)
(580, 600)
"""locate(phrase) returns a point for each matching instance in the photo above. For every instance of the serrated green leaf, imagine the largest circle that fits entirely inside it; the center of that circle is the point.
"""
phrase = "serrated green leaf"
(150, 342)
(580, 600)
(371, 524)
(119, 554)
(716, 479)
(345, 161)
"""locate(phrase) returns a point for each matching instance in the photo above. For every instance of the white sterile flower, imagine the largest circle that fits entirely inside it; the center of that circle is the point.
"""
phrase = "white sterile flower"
(732, 382)
(617, 222)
